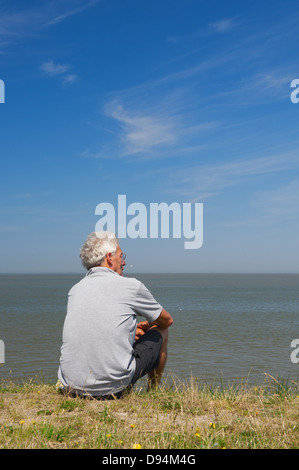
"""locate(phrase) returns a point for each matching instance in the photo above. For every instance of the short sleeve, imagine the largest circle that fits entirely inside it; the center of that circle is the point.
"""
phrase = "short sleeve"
(145, 304)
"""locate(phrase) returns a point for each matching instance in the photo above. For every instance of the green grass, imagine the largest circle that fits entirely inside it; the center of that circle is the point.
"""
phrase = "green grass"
(178, 415)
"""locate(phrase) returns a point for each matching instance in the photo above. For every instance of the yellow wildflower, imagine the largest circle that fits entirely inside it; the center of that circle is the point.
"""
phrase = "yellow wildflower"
(136, 446)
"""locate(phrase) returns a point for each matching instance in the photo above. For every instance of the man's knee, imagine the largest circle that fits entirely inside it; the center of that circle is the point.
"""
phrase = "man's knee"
(163, 332)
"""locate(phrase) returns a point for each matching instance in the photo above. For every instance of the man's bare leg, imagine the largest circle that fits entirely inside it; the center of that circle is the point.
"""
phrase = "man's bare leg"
(155, 375)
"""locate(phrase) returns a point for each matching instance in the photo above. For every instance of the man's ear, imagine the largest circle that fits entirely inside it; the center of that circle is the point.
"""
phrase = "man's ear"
(109, 258)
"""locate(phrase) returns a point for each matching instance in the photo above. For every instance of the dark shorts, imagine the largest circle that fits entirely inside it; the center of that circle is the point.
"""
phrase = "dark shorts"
(147, 353)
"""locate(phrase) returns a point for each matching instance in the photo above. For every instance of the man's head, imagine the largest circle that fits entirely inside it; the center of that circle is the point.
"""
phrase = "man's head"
(102, 249)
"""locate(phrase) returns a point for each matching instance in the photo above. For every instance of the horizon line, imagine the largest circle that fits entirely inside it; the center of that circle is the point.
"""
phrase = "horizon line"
(75, 273)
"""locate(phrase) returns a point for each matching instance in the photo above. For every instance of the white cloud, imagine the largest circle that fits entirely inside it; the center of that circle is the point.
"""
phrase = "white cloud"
(68, 79)
(141, 133)
(74, 11)
(188, 109)
(17, 23)
(267, 85)
(154, 120)
(223, 26)
(54, 69)
(198, 180)
(51, 69)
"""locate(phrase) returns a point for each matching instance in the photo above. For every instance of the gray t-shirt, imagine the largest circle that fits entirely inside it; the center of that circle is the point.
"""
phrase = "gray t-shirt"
(99, 331)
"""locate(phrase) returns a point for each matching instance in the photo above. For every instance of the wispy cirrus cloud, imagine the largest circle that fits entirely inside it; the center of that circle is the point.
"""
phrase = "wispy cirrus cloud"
(268, 85)
(174, 113)
(141, 132)
(172, 122)
(223, 26)
(71, 12)
(51, 69)
(16, 23)
(195, 181)
(151, 132)
(69, 79)
(187, 111)
(156, 120)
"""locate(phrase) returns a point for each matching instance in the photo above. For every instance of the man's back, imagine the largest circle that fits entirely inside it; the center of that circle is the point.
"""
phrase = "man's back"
(99, 331)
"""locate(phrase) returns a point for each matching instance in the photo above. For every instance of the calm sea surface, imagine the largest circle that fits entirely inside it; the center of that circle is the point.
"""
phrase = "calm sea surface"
(226, 326)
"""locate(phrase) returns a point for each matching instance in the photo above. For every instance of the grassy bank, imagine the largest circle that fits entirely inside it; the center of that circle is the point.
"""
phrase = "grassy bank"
(185, 415)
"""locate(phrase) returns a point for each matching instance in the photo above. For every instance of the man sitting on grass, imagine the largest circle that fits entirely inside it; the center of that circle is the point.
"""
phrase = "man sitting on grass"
(104, 351)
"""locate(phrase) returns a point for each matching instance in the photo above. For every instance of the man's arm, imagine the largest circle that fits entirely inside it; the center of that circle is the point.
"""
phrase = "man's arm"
(164, 320)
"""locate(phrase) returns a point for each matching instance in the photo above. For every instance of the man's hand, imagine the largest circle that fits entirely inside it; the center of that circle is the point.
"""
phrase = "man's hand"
(142, 327)
(164, 321)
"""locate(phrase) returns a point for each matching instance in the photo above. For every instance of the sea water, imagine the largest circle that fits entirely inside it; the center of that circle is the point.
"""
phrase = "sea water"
(227, 327)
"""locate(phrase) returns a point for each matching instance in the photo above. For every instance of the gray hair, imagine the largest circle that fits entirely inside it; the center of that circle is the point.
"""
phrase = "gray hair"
(96, 246)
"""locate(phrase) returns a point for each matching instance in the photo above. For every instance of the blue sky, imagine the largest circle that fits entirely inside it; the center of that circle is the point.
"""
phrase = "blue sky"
(172, 101)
